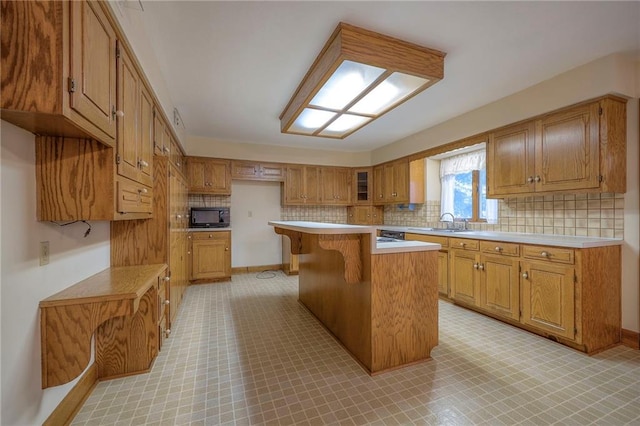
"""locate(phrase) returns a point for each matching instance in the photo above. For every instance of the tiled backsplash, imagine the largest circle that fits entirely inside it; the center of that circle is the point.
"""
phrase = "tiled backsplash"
(331, 214)
(202, 200)
(593, 215)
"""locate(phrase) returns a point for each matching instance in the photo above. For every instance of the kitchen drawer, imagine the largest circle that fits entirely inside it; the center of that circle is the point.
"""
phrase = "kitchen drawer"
(499, 247)
(162, 298)
(443, 241)
(213, 235)
(464, 244)
(550, 254)
(133, 197)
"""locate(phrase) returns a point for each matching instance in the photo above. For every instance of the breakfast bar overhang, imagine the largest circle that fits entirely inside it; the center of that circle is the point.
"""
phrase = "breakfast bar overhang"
(379, 299)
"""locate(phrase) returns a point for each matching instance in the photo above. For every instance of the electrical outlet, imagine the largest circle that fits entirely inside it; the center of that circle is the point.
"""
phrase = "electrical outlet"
(250, 213)
(44, 253)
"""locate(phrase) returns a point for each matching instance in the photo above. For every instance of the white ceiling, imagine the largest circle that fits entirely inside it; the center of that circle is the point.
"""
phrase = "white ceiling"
(231, 67)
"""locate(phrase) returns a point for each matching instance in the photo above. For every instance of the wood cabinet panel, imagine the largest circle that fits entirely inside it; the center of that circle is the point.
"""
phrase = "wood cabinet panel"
(500, 247)
(250, 170)
(302, 185)
(511, 159)
(443, 273)
(581, 148)
(335, 186)
(548, 299)
(362, 185)
(365, 215)
(127, 158)
(131, 197)
(211, 253)
(399, 182)
(567, 150)
(209, 176)
(60, 78)
(465, 286)
(500, 285)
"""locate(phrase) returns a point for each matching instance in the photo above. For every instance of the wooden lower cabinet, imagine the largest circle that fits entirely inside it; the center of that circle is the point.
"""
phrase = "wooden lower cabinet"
(569, 295)
(500, 286)
(211, 255)
(465, 280)
(164, 324)
(365, 215)
(548, 298)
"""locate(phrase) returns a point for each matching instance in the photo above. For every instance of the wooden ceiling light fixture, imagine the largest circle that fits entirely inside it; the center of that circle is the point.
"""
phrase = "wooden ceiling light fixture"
(358, 76)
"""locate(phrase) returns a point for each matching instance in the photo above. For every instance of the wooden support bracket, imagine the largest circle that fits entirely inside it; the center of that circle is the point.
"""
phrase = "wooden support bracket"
(349, 245)
(294, 236)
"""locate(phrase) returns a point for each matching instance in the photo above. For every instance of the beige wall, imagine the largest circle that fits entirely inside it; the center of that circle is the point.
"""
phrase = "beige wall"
(247, 151)
(25, 283)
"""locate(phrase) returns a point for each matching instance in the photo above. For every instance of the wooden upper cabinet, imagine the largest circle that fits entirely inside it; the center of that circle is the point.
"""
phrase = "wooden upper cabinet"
(134, 156)
(567, 150)
(161, 135)
(93, 41)
(581, 148)
(250, 170)
(302, 185)
(362, 185)
(335, 186)
(209, 176)
(399, 182)
(510, 159)
(60, 78)
(176, 156)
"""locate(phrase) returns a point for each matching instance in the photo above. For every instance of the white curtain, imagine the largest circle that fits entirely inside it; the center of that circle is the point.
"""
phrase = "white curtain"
(463, 163)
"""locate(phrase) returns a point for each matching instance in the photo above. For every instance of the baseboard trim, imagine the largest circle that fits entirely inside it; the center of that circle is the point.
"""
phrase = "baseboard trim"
(259, 268)
(71, 404)
(631, 339)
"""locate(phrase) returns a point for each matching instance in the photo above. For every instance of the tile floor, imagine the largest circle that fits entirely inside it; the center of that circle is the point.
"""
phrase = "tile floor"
(245, 352)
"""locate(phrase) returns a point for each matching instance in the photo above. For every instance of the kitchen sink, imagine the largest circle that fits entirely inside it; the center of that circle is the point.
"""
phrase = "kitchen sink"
(439, 230)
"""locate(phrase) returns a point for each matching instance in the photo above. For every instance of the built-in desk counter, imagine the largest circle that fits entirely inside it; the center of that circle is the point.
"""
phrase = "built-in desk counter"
(380, 300)
(106, 303)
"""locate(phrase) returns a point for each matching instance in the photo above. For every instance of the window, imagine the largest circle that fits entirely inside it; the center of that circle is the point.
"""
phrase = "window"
(464, 188)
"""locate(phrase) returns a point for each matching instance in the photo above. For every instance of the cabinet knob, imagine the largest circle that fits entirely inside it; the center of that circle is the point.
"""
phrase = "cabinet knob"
(119, 113)
(498, 249)
(475, 266)
(179, 216)
(537, 179)
(525, 275)
(167, 332)
(165, 149)
(142, 190)
(462, 244)
(544, 254)
(530, 179)
(178, 163)
(166, 302)
(481, 266)
(210, 236)
(167, 278)
(144, 163)
(226, 249)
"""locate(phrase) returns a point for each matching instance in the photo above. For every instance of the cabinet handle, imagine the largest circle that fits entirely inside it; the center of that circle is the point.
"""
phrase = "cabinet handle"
(498, 249)
(537, 179)
(544, 254)
(144, 163)
(475, 266)
(530, 179)
(525, 276)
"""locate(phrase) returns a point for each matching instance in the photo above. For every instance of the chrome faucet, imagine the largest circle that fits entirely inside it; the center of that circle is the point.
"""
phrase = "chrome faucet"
(453, 219)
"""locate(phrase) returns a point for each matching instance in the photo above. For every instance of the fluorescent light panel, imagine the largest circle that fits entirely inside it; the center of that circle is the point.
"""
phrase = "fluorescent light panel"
(361, 75)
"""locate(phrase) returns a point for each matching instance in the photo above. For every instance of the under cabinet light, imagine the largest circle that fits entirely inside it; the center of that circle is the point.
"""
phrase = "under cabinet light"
(358, 76)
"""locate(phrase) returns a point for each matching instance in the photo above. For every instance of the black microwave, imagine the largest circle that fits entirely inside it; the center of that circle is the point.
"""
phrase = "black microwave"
(210, 217)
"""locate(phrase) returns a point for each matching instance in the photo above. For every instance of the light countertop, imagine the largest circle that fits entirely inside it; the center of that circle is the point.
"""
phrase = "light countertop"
(322, 228)
(209, 229)
(513, 237)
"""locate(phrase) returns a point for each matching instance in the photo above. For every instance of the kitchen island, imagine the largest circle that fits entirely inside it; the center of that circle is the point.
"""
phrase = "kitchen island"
(379, 299)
